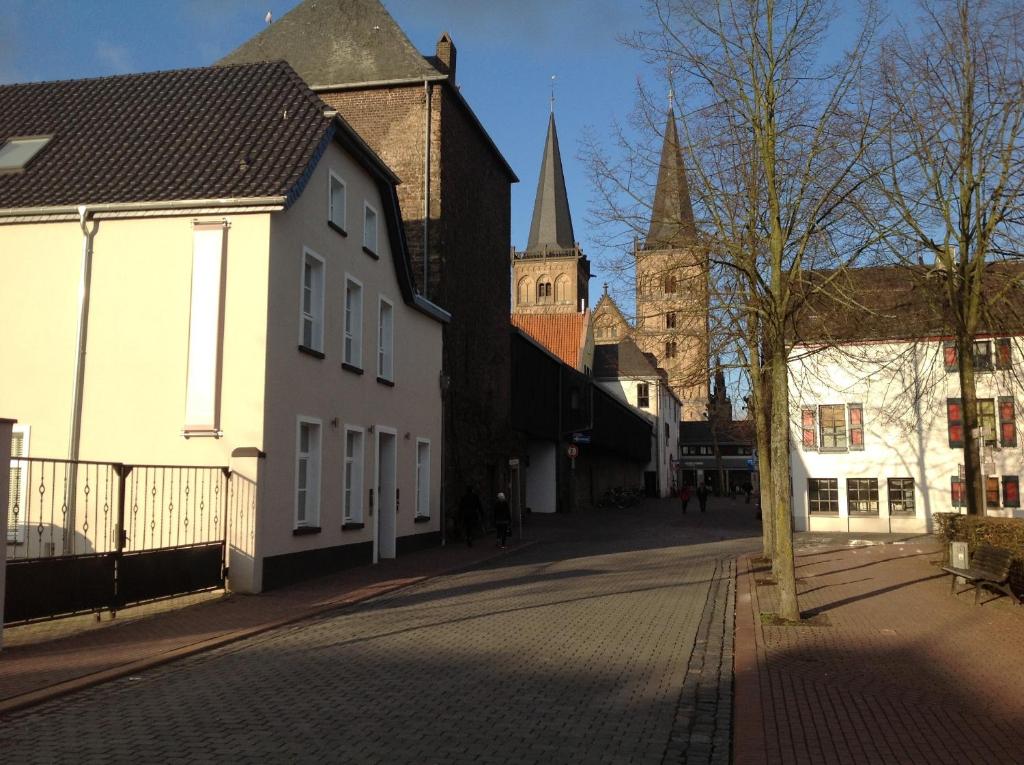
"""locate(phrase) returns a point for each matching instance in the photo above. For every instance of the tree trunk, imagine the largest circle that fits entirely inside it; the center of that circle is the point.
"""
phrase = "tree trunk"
(974, 477)
(785, 570)
(764, 467)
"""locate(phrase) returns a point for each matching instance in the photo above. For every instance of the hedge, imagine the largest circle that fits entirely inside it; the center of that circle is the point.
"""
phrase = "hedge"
(1006, 533)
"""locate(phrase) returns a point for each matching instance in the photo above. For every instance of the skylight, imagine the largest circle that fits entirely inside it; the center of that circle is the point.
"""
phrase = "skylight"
(17, 152)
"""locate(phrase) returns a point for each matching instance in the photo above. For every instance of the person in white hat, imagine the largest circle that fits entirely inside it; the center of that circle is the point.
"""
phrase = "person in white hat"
(502, 518)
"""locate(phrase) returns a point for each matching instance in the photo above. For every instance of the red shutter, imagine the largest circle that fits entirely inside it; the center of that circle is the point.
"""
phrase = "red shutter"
(1004, 356)
(957, 493)
(1011, 491)
(856, 426)
(949, 355)
(810, 429)
(955, 422)
(1007, 422)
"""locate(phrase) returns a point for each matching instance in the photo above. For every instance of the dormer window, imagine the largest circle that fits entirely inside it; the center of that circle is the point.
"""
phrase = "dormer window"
(16, 153)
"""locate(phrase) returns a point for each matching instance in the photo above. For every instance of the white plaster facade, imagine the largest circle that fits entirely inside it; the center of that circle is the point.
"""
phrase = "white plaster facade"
(902, 389)
(136, 380)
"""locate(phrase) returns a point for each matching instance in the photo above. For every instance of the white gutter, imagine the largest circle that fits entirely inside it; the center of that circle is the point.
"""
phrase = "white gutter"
(172, 204)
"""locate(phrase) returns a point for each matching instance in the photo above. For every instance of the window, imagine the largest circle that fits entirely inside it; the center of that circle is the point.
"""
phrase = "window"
(543, 291)
(422, 479)
(862, 496)
(808, 418)
(949, 357)
(562, 289)
(643, 395)
(987, 420)
(369, 229)
(983, 356)
(670, 349)
(832, 418)
(901, 496)
(823, 495)
(958, 492)
(670, 285)
(353, 353)
(955, 422)
(1004, 353)
(17, 518)
(311, 332)
(524, 291)
(992, 491)
(856, 426)
(206, 329)
(353, 509)
(1011, 491)
(18, 152)
(385, 341)
(670, 320)
(1007, 422)
(307, 475)
(336, 204)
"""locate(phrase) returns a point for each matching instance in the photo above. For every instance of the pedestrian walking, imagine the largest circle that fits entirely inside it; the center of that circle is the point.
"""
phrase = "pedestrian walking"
(748, 487)
(502, 518)
(684, 497)
(469, 514)
(702, 496)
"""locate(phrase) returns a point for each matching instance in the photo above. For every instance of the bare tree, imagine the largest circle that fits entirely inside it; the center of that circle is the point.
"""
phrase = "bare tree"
(953, 168)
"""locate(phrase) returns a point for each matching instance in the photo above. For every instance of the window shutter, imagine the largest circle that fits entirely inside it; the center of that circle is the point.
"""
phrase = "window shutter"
(955, 422)
(1011, 491)
(810, 429)
(949, 355)
(1004, 354)
(1007, 422)
(957, 495)
(856, 426)
(992, 491)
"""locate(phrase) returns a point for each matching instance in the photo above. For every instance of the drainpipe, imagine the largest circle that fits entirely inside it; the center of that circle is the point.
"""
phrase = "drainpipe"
(426, 188)
(74, 441)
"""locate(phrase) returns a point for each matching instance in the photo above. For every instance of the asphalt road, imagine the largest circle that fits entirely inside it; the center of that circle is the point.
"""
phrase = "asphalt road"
(609, 641)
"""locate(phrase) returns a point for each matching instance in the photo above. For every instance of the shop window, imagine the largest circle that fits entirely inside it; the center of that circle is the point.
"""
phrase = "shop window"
(901, 496)
(862, 496)
(823, 495)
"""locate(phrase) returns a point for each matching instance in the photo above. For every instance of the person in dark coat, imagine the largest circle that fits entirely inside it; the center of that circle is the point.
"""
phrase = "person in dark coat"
(684, 496)
(469, 514)
(502, 518)
(702, 496)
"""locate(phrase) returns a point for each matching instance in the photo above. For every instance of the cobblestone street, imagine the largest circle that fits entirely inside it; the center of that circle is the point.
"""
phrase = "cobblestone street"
(603, 643)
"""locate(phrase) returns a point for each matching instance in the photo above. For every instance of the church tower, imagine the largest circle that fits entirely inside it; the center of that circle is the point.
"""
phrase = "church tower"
(672, 284)
(552, 274)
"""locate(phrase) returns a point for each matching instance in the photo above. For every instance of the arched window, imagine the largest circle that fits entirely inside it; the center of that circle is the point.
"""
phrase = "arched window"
(562, 289)
(524, 291)
(543, 289)
(670, 349)
(670, 320)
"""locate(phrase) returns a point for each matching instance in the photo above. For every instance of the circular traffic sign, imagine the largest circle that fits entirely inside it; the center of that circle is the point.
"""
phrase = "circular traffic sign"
(573, 451)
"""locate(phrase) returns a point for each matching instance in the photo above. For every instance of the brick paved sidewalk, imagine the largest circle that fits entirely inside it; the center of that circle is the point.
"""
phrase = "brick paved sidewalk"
(32, 672)
(890, 667)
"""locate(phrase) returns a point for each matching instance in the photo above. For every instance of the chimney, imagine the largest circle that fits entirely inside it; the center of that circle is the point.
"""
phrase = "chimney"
(446, 54)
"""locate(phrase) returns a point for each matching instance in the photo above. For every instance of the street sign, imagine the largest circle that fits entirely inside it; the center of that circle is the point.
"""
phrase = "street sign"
(581, 438)
(573, 451)
(513, 463)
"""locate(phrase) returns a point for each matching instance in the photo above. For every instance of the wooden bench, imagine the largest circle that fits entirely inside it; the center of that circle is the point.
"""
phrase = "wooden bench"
(989, 567)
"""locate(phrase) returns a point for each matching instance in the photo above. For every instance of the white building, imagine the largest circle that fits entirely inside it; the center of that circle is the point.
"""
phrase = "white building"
(877, 417)
(634, 377)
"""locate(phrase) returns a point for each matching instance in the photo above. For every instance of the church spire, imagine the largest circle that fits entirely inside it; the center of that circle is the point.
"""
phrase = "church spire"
(672, 223)
(552, 225)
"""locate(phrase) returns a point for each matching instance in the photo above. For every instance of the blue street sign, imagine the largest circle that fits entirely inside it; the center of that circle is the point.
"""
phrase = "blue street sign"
(581, 438)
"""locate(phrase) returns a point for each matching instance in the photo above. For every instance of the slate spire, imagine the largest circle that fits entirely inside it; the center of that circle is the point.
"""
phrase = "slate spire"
(552, 225)
(672, 223)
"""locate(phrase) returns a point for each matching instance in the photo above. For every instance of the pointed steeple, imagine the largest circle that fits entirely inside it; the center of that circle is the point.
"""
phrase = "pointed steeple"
(672, 223)
(552, 225)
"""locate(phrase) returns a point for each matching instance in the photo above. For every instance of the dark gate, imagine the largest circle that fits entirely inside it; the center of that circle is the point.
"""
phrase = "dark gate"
(87, 536)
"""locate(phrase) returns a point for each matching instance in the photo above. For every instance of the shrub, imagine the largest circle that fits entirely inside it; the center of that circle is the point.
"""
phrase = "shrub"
(1006, 533)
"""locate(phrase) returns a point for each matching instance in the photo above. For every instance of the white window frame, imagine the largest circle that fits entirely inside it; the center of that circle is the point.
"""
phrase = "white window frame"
(352, 351)
(332, 213)
(385, 341)
(369, 244)
(316, 314)
(353, 472)
(206, 329)
(313, 464)
(422, 489)
(23, 480)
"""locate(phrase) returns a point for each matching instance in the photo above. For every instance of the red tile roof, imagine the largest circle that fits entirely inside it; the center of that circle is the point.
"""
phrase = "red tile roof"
(564, 334)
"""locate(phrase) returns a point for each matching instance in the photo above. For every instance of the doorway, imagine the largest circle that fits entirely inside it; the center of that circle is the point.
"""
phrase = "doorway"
(385, 483)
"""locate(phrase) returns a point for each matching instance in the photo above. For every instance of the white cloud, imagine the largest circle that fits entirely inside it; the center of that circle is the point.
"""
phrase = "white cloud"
(116, 59)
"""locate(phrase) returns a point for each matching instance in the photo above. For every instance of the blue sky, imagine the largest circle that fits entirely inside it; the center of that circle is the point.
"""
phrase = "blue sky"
(507, 54)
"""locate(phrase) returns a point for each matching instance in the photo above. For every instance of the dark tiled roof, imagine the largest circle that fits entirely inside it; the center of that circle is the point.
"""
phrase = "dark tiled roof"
(623, 359)
(901, 303)
(551, 227)
(338, 42)
(248, 131)
(732, 432)
(564, 334)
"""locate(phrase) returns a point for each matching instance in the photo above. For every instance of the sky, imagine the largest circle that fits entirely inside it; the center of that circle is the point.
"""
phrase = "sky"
(507, 54)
